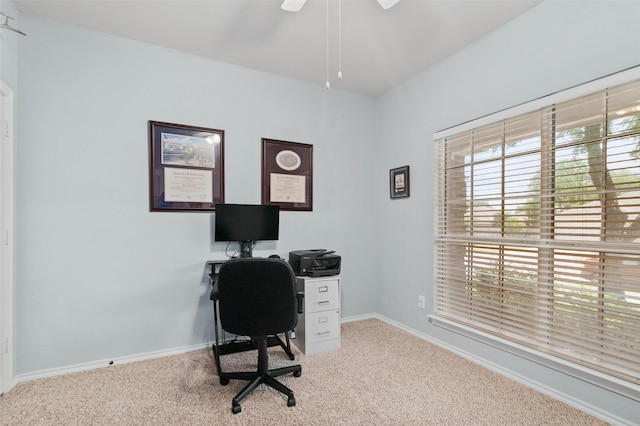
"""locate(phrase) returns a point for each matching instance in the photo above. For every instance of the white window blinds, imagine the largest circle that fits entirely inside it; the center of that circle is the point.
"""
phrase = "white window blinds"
(538, 229)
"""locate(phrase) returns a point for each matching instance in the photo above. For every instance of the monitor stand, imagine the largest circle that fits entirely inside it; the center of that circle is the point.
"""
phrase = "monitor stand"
(246, 248)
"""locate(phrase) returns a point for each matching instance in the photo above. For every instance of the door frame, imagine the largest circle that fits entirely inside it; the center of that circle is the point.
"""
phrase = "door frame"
(7, 246)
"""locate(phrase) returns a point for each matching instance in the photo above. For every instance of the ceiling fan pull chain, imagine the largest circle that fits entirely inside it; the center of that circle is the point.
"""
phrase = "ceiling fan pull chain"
(339, 39)
(327, 84)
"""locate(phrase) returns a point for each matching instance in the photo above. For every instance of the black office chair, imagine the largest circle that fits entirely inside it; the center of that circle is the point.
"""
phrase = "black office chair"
(224, 346)
(258, 297)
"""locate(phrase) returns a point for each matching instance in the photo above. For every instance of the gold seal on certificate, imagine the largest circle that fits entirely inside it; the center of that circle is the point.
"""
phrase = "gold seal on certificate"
(288, 160)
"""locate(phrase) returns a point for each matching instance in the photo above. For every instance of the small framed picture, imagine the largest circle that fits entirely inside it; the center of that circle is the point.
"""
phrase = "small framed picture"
(399, 182)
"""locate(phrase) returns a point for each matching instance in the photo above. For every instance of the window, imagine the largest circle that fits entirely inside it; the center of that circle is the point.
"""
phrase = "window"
(538, 229)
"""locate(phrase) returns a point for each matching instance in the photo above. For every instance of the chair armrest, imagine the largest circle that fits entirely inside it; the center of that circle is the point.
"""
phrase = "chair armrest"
(214, 266)
(300, 297)
(214, 290)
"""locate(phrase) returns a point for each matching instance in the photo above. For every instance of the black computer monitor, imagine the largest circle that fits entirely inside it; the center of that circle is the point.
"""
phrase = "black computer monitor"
(246, 223)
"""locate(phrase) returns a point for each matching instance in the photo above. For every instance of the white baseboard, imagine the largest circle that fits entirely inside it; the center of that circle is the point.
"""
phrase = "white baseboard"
(108, 362)
(359, 318)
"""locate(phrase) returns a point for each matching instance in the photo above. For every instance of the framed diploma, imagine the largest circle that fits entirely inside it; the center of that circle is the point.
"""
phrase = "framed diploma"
(287, 178)
(399, 182)
(186, 167)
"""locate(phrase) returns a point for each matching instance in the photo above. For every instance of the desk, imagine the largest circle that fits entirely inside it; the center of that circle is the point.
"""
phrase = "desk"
(223, 348)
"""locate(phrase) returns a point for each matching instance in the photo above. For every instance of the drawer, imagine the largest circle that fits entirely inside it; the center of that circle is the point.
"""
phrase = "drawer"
(321, 295)
(321, 326)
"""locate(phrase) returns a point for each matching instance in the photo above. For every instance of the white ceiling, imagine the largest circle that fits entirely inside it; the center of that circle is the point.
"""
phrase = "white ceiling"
(380, 48)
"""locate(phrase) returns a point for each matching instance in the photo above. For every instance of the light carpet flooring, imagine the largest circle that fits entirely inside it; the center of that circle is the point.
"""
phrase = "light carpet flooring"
(380, 376)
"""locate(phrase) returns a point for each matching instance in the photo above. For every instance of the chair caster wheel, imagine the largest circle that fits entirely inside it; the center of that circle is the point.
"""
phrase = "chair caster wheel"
(297, 373)
(224, 382)
(236, 409)
(291, 402)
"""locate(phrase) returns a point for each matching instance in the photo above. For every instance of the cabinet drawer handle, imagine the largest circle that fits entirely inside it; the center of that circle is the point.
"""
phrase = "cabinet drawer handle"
(323, 289)
(324, 302)
(324, 333)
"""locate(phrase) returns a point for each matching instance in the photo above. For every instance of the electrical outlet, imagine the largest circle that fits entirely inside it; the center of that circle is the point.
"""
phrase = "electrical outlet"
(420, 301)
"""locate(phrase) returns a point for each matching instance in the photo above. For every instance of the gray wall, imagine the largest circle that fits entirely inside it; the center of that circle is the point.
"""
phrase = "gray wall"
(98, 275)
(553, 46)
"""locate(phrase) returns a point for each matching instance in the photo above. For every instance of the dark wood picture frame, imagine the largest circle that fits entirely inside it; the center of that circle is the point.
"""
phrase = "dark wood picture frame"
(186, 167)
(399, 182)
(287, 175)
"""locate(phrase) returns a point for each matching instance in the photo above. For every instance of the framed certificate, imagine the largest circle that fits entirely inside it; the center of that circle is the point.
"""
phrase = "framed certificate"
(186, 167)
(287, 175)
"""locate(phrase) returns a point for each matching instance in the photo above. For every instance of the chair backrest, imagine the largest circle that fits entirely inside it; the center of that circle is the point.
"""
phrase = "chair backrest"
(257, 296)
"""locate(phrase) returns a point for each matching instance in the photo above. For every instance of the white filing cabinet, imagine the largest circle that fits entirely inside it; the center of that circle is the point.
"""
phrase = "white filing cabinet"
(318, 328)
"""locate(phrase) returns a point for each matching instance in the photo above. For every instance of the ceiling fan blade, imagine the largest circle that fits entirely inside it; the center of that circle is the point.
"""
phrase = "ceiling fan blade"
(386, 4)
(296, 5)
(10, 28)
(293, 5)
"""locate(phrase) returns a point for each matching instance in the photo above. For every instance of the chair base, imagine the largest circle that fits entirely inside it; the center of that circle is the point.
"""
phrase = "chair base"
(258, 379)
(262, 376)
